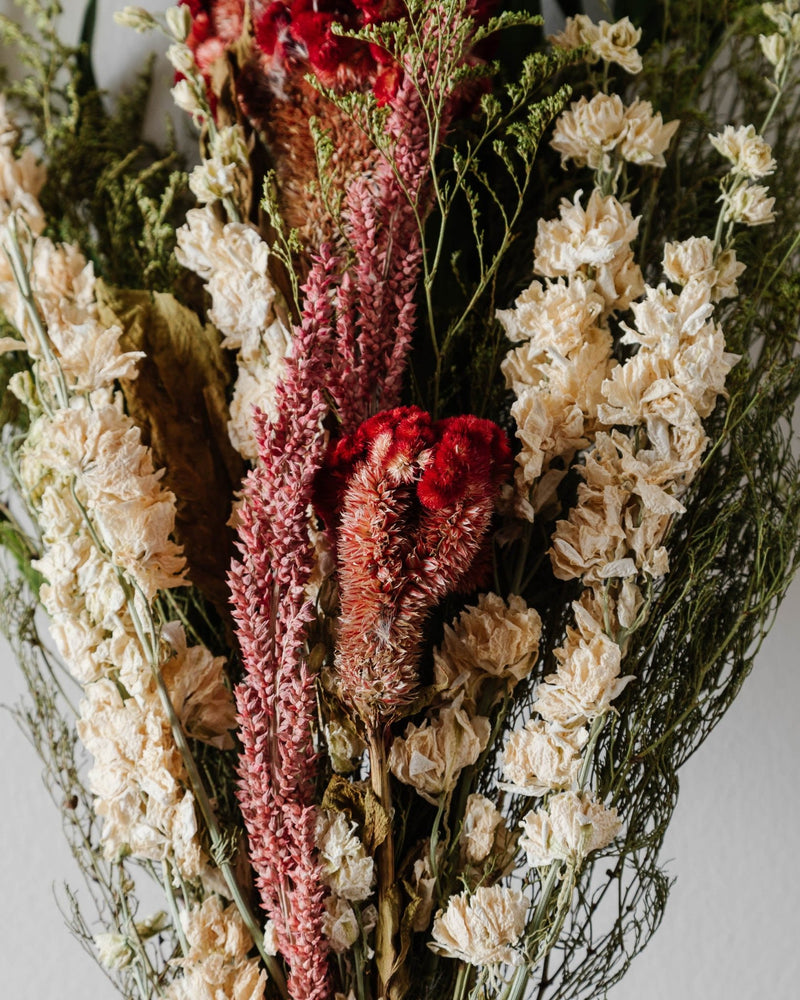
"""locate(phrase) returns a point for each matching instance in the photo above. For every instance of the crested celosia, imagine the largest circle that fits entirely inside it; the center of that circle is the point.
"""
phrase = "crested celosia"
(415, 499)
(481, 928)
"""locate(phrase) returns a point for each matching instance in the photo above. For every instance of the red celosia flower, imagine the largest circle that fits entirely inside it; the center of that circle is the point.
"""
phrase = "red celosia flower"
(410, 502)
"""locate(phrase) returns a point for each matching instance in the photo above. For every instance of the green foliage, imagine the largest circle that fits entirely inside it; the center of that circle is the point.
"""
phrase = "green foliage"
(116, 196)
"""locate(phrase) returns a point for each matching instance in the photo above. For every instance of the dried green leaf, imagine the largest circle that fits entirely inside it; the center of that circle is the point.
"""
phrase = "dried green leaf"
(179, 402)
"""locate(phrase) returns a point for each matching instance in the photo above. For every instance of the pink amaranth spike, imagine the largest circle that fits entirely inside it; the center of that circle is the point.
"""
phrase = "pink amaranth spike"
(276, 700)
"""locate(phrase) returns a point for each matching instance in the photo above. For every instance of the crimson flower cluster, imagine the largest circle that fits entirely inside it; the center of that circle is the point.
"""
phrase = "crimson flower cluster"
(410, 503)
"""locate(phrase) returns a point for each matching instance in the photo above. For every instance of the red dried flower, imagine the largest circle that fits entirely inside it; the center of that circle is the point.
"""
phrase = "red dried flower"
(410, 502)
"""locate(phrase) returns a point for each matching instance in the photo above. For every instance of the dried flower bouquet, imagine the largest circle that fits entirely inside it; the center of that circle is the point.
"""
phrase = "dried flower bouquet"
(406, 487)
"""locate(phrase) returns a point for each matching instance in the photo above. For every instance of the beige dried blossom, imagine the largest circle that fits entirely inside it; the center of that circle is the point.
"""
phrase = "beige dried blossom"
(749, 153)
(21, 180)
(589, 131)
(345, 865)
(340, 924)
(490, 640)
(774, 48)
(431, 756)
(586, 682)
(481, 928)
(138, 779)
(694, 259)
(216, 964)
(749, 205)
(481, 822)
(345, 747)
(541, 757)
(554, 314)
(614, 43)
(96, 447)
(595, 132)
(599, 238)
(646, 137)
(195, 681)
(572, 825)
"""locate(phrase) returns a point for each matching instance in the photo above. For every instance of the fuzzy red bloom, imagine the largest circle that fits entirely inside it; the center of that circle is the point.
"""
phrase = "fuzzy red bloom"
(411, 502)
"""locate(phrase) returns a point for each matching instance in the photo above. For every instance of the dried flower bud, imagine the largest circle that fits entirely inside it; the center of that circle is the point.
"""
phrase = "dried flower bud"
(185, 98)
(138, 18)
(179, 22)
(774, 49)
(182, 59)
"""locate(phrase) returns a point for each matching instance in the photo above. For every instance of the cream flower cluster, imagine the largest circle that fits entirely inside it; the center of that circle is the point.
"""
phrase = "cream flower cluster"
(216, 964)
(600, 131)
(233, 260)
(485, 652)
(105, 522)
(613, 43)
(483, 927)
(565, 355)
(349, 872)
(751, 159)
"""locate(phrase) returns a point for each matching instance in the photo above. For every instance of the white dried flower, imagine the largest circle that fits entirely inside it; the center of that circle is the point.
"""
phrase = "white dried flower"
(598, 237)
(616, 43)
(345, 747)
(481, 928)
(195, 681)
(749, 205)
(694, 260)
(346, 867)
(490, 640)
(541, 757)
(571, 826)
(646, 137)
(431, 756)
(216, 964)
(212, 180)
(749, 153)
(114, 951)
(554, 314)
(587, 681)
(481, 821)
(340, 924)
(589, 131)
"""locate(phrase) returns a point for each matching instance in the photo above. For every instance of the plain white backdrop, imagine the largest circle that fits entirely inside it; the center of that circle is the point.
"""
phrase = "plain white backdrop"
(732, 925)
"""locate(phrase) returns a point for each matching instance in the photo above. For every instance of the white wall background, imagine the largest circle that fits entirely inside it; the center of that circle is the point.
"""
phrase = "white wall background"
(732, 925)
